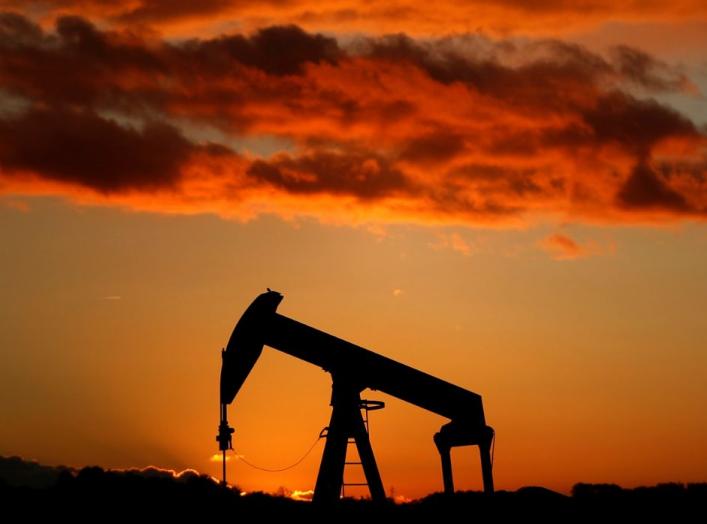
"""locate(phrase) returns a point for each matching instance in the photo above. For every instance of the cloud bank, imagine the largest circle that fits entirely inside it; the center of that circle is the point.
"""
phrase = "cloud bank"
(452, 130)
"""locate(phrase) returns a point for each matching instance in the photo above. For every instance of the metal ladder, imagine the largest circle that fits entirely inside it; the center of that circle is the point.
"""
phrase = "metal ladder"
(365, 406)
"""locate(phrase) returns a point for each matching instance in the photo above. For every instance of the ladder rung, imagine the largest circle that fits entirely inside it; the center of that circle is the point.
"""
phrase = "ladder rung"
(349, 463)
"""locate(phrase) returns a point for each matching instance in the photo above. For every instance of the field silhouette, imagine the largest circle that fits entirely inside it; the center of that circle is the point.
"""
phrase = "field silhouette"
(30, 490)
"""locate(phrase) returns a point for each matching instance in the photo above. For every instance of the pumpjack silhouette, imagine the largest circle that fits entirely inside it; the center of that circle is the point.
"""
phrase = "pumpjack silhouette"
(352, 369)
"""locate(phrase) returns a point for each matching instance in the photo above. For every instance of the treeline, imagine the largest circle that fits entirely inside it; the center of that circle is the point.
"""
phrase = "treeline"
(96, 495)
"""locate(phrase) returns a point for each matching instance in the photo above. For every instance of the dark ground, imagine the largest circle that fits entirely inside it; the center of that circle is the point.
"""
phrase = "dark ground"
(92, 494)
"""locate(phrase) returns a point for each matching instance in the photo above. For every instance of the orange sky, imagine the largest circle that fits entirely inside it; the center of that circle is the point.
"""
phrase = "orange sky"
(532, 181)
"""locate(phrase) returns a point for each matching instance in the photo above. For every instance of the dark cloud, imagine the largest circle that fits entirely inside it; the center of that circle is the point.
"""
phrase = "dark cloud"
(433, 147)
(279, 50)
(441, 60)
(77, 65)
(541, 67)
(82, 65)
(648, 72)
(16, 30)
(645, 189)
(635, 124)
(85, 149)
(505, 180)
(364, 176)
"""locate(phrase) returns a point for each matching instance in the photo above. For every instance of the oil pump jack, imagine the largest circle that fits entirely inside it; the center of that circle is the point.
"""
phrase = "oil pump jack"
(352, 369)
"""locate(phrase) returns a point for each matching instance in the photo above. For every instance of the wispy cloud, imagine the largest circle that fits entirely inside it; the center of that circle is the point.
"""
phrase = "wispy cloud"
(454, 241)
(562, 247)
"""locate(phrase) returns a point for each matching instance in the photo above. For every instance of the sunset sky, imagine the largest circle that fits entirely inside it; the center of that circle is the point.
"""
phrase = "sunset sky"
(509, 195)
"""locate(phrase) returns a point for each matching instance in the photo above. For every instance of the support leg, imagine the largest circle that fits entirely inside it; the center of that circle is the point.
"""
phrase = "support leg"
(446, 456)
(486, 466)
(346, 421)
(368, 460)
(331, 470)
